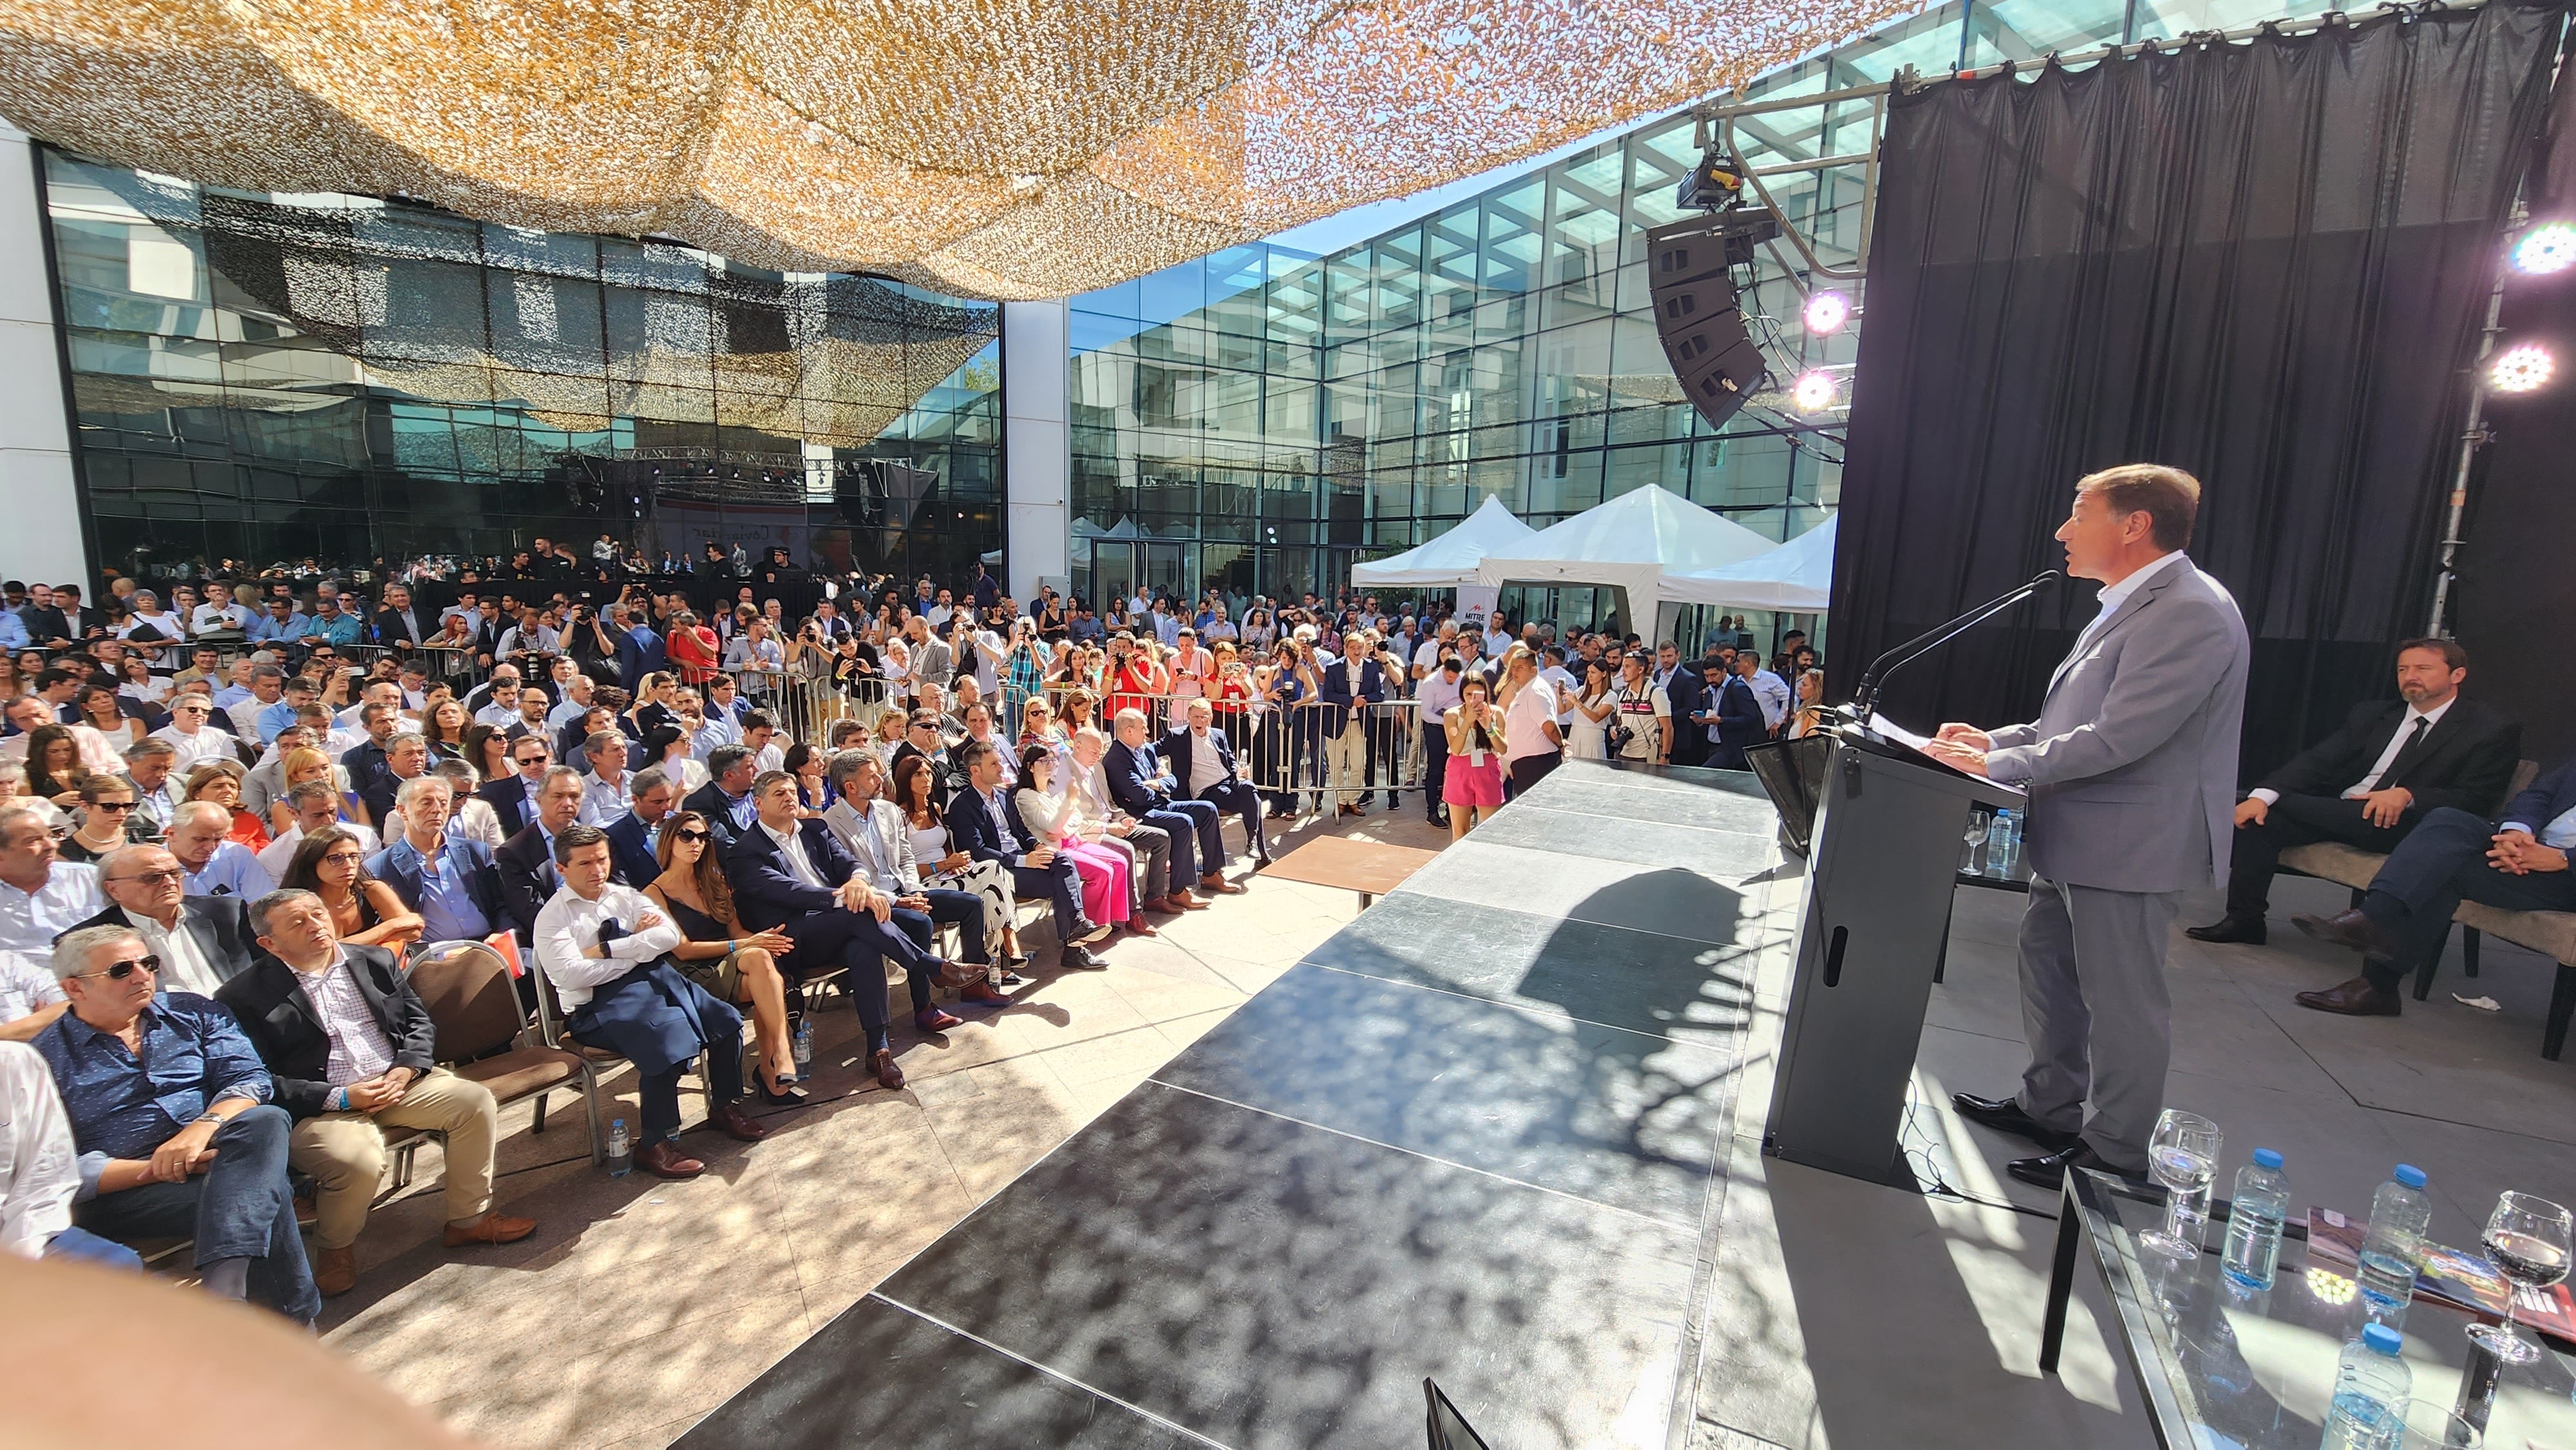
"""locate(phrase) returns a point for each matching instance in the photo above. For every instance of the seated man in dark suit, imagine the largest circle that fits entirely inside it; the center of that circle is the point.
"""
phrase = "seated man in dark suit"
(202, 941)
(526, 861)
(1202, 760)
(191, 1148)
(1145, 787)
(982, 824)
(635, 836)
(514, 799)
(726, 799)
(607, 951)
(2518, 863)
(350, 1046)
(2372, 781)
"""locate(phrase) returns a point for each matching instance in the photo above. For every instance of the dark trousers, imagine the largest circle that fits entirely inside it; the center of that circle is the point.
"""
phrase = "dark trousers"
(661, 1021)
(2298, 820)
(1435, 770)
(239, 1208)
(1237, 798)
(966, 909)
(1197, 830)
(1529, 770)
(1058, 882)
(2441, 863)
(858, 943)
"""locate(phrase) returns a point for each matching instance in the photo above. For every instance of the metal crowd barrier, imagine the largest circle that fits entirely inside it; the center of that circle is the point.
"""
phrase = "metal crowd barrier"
(1284, 749)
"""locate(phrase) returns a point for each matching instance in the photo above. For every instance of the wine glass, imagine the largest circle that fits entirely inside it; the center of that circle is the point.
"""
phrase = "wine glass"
(2183, 1156)
(1971, 840)
(2527, 1239)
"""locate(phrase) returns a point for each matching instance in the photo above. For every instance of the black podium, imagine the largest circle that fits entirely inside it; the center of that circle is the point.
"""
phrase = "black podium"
(1882, 863)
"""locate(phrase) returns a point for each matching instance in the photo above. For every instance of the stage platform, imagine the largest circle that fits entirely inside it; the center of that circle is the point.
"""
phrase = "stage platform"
(1481, 1135)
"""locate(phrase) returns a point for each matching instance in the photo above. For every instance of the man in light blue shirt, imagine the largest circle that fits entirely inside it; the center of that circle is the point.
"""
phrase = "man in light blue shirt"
(334, 624)
(280, 623)
(215, 866)
(13, 631)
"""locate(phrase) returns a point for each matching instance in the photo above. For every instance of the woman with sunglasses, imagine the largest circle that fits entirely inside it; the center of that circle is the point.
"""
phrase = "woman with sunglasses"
(487, 749)
(332, 864)
(735, 964)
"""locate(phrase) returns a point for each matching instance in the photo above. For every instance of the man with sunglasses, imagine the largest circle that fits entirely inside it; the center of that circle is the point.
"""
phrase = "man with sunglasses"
(41, 897)
(191, 1147)
(192, 740)
(202, 941)
(514, 798)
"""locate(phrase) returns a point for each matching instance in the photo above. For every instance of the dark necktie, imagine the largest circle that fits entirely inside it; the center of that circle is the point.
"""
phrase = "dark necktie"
(2414, 738)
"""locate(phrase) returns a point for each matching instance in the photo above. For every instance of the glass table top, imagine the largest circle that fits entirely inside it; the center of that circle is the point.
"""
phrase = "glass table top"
(2224, 1368)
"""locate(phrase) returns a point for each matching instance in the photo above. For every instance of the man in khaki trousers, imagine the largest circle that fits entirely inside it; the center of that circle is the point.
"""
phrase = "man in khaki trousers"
(349, 1048)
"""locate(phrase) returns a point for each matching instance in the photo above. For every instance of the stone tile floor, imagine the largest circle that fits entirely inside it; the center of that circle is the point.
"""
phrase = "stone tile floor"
(639, 1305)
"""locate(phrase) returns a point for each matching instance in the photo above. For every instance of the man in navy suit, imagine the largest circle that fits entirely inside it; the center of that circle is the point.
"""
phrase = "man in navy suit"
(982, 824)
(726, 799)
(791, 875)
(514, 798)
(1203, 762)
(526, 861)
(2517, 862)
(635, 836)
(1146, 787)
(1687, 687)
(1351, 684)
(1736, 714)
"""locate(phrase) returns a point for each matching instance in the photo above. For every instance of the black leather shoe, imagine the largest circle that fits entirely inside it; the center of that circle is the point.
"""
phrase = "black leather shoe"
(2050, 1172)
(2356, 998)
(2246, 929)
(2349, 929)
(2004, 1115)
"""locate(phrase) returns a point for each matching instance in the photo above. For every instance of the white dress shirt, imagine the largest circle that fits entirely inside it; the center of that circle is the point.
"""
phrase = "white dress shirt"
(791, 844)
(2115, 595)
(569, 923)
(2387, 755)
(195, 750)
(183, 967)
(29, 922)
(39, 1164)
(1775, 695)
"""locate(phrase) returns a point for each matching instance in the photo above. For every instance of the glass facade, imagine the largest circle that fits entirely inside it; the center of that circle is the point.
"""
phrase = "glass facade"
(1261, 419)
(271, 377)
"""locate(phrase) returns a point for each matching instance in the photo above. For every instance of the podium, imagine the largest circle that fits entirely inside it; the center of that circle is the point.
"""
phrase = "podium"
(1881, 866)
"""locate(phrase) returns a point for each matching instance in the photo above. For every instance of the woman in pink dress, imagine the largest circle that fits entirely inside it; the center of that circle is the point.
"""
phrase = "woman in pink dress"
(1108, 895)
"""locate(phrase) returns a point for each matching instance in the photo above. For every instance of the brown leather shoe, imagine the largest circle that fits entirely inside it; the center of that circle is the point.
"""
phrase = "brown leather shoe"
(491, 1228)
(958, 974)
(335, 1271)
(1139, 926)
(1216, 882)
(1180, 901)
(738, 1125)
(2349, 929)
(889, 1076)
(2356, 998)
(665, 1160)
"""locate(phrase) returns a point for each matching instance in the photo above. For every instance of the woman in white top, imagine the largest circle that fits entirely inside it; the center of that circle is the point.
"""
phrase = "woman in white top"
(1108, 892)
(915, 792)
(1592, 709)
(1532, 745)
(141, 684)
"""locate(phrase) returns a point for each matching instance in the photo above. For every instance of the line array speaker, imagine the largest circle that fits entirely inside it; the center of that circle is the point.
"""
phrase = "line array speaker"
(1696, 313)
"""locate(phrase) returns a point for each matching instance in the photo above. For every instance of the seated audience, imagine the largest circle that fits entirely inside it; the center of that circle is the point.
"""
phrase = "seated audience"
(635, 834)
(1142, 783)
(202, 942)
(310, 807)
(332, 865)
(526, 860)
(943, 863)
(1083, 781)
(188, 1147)
(40, 1169)
(736, 964)
(1109, 876)
(41, 897)
(200, 836)
(2518, 863)
(220, 781)
(1202, 761)
(870, 828)
(513, 798)
(982, 824)
(2372, 781)
(606, 951)
(446, 879)
(349, 1047)
(726, 799)
(106, 809)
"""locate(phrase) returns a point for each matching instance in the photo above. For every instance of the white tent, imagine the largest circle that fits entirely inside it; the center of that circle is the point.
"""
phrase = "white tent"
(1449, 561)
(1796, 578)
(1629, 543)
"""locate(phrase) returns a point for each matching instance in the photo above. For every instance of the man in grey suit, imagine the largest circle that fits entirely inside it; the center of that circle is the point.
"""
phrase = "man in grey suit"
(2131, 769)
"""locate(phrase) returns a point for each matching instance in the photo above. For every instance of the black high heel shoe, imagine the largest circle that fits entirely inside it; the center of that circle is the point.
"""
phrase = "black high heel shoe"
(792, 1097)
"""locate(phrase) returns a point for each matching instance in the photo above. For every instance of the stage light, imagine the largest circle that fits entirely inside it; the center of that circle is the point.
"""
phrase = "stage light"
(1815, 391)
(2521, 368)
(2549, 247)
(1827, 312)
(1712, 184)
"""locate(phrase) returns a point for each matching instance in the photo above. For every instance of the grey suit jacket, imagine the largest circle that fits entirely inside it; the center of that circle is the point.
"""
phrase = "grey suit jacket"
(896, 858)
(2131, 765)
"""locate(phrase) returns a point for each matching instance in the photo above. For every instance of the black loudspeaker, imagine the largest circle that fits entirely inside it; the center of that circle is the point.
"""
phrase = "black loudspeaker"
(1688, 268)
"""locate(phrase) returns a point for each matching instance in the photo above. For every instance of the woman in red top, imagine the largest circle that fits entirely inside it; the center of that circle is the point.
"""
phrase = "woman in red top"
(1136, 680)
(693, 650)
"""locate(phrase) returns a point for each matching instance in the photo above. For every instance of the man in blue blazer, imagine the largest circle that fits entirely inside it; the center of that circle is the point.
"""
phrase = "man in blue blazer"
(982, 823)
(634, 837)
(1145, 787)
(2517, 862)
(1350, 685)
(1737, 715)
(1202, 761)
(791, 875)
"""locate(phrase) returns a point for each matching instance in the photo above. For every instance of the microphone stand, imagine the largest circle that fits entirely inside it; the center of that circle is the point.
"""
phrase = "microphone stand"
(1940, 634)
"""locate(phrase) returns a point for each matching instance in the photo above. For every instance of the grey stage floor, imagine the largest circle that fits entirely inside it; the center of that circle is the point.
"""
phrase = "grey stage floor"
(1504, 1130)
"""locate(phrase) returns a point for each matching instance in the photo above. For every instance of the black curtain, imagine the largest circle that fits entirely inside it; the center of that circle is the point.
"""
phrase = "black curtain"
(2265, 263)
(2516, 608)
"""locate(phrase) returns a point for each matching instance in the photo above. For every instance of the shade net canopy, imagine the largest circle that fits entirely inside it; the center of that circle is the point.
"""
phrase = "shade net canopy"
(987, 148)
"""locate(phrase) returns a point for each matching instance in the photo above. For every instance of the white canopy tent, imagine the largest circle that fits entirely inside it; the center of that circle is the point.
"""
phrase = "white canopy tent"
(1449, 561)
(1629, 543)
(1795, 578)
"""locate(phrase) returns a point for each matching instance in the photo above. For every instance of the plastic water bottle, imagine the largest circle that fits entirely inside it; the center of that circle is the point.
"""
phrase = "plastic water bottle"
(804, 1044)
(2014, 864)
(621, 1150)
(2254, 1218)
(1999, 844)
(2370, 1382)
(2393, 1250)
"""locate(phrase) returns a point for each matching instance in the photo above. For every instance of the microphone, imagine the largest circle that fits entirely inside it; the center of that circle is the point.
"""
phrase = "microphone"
(1941, 634)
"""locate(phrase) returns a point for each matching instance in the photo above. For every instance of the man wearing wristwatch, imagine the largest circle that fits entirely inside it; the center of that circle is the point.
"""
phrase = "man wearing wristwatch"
(191, 1149)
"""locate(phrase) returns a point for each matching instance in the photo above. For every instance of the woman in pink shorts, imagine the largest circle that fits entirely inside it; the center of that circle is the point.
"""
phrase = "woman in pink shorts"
(1474, 787)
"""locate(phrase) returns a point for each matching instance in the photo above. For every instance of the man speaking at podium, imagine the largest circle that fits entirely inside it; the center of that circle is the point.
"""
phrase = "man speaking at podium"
(2131, 769)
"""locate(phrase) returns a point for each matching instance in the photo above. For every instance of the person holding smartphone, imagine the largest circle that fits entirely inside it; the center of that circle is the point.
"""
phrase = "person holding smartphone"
(1472, 784)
